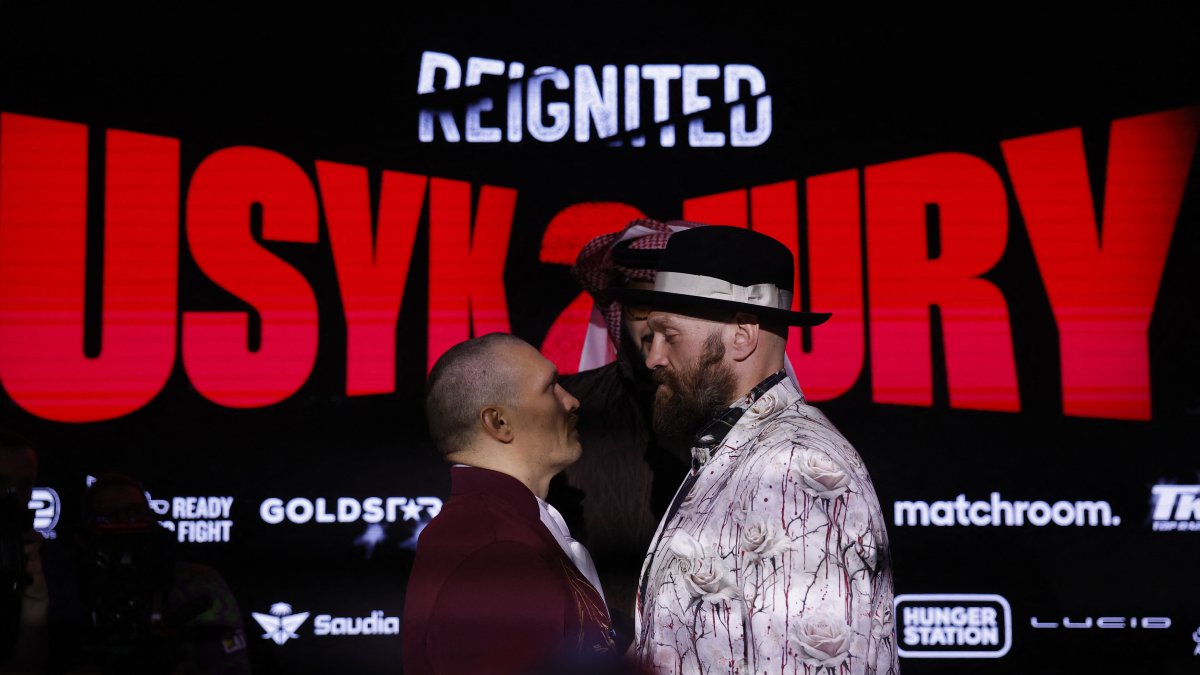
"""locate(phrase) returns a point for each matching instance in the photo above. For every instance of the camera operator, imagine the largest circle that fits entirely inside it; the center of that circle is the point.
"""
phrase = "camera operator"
(146, 611)
(23, 625)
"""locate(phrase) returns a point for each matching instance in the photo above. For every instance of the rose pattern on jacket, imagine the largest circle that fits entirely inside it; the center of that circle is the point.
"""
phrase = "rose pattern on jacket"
(766, 406)
(776, 560)
(820, 475)
(706, 576)
(822, 640)
(762, 541)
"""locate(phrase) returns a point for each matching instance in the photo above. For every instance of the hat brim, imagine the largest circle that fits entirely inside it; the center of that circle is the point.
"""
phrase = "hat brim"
(686, 302)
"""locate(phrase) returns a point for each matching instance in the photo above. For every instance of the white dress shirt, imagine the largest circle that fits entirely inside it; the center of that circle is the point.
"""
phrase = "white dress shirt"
(576, 551)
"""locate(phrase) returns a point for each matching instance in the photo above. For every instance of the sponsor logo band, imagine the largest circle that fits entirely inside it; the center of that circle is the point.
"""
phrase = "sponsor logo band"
(1176, 508)
(963, 626)
(997, 512)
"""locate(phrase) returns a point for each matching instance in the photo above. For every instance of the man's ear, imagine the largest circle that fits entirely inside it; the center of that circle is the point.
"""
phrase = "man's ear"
(495, 424)
(745, 336)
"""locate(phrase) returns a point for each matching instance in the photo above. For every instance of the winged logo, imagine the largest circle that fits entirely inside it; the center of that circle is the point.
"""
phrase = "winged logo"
(281, 624)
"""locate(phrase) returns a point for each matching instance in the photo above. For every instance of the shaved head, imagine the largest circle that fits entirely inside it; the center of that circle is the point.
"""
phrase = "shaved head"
(467, 378)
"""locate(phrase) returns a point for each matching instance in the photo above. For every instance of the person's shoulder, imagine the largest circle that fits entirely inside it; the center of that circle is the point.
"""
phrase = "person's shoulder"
(506, 567)
(797, 430)
(801, 445)
(463, 518)
(473, 522)
(815, 429)
(514, 551)
(801, 421)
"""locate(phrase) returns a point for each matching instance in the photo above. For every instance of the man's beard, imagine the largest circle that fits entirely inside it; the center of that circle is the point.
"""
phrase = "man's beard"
(690, 398)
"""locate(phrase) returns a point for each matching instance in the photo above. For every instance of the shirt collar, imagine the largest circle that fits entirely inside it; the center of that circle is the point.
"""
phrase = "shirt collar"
(713, 433)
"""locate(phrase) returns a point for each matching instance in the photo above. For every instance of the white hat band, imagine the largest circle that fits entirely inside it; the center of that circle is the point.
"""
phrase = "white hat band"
(762, 295)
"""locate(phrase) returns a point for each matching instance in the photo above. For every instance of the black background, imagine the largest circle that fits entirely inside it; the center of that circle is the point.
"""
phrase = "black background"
(848, 91)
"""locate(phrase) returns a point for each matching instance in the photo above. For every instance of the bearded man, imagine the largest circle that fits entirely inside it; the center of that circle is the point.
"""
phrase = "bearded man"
(773, 554)
(614, 496)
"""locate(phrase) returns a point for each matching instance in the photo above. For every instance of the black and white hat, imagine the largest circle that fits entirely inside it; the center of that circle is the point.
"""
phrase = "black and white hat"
(726, 268)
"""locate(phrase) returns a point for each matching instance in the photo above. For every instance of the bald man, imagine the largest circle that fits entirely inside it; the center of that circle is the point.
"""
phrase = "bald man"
(499, 585)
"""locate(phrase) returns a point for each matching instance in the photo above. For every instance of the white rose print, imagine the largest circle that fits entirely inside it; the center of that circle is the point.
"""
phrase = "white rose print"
(822, 640)
(705, 575)
(819, 475)
(766, 406)
(762, 541)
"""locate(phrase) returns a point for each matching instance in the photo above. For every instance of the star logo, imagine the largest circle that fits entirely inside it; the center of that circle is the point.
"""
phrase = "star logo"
(280, 625)
(412, 510)
(372, 537)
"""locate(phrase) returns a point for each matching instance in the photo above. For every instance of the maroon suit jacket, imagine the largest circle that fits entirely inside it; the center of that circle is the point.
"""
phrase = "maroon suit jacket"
(491, 590)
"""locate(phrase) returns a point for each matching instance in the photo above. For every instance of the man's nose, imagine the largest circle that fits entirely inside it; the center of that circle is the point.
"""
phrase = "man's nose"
(569, 402)
(657, 355)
